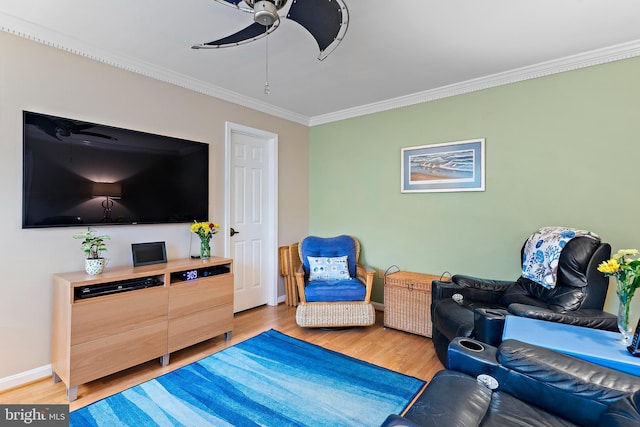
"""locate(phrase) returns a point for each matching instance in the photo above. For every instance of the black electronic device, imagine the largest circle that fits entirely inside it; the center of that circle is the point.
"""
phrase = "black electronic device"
(634, 348)
(189, 275)
(200, 272)
(80, 173)
(186, 275)
(148, 253)
(215, 270)
(91, 291)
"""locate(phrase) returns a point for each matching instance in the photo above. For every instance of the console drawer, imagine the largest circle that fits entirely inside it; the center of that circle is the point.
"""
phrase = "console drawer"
(200, 326)
(98, 358)
(101, 317)
(201, 294)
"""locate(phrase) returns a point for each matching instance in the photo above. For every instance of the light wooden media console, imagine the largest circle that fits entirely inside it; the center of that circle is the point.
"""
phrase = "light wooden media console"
(187, 301)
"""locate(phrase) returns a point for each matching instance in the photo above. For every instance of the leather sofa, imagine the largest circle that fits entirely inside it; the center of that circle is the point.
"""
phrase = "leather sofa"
(518, 384)
(476, 308)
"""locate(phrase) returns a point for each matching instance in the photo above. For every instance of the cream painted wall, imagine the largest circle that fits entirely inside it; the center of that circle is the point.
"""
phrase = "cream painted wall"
(560, 150)
(38, 78)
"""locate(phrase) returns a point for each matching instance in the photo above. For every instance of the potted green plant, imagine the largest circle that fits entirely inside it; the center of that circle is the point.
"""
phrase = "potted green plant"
(93, 246)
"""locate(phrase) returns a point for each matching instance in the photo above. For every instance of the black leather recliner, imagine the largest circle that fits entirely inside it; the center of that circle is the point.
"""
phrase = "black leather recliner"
(476, 308)
(519, 384)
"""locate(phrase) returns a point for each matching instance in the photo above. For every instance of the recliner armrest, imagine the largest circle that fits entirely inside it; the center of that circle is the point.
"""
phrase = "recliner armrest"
(623, 413)
(480, 283)
(461, 281)
(590, 318)
(471, 288)
(472, 357)
(489, 325)
(436, 408)
(544, 377)
(441, 289)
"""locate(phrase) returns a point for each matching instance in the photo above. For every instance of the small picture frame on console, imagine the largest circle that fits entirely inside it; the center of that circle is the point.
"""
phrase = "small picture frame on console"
(148, 253)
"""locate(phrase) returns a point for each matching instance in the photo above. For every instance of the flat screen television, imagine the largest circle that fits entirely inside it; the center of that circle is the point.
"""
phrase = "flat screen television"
(79, 173)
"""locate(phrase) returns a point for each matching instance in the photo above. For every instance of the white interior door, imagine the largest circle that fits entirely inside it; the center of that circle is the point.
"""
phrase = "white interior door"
(252, 216)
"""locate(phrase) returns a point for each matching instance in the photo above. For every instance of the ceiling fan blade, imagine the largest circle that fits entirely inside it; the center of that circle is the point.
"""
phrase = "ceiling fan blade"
(253, 32)
(326, 20)
(236, 4)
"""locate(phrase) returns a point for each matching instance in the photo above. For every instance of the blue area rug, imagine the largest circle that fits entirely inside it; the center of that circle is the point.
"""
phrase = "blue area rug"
(269, 380)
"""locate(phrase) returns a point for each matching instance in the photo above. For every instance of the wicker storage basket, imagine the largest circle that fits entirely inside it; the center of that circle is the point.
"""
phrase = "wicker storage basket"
(407, 302)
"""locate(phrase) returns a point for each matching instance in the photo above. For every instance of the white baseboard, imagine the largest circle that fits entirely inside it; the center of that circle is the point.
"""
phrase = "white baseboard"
(24, 377)
(378, 306)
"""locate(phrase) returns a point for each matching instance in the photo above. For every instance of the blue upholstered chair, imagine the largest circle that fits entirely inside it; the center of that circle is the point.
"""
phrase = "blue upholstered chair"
(334, 290)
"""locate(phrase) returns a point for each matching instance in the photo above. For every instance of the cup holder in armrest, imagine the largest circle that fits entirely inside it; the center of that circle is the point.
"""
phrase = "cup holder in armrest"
(471, 345)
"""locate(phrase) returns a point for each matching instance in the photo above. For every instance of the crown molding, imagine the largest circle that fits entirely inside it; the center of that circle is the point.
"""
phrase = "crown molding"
(28, 30)
(569, 63)
(22, 28)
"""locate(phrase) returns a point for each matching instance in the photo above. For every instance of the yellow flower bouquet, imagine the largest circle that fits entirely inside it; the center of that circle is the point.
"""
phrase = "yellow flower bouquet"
(627, 274)
(205, 230)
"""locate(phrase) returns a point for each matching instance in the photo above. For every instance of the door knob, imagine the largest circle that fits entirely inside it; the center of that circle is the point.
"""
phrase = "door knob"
(232, 232)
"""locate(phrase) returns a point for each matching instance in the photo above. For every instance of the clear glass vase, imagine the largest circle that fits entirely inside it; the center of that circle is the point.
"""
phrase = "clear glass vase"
(628, 314)
(205, 249)
(624, 321)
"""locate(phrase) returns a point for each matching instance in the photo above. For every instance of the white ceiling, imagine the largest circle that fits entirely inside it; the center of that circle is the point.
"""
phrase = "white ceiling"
(394, 53)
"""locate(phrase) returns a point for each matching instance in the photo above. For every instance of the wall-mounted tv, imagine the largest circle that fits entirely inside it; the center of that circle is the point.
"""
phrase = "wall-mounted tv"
(78, 173)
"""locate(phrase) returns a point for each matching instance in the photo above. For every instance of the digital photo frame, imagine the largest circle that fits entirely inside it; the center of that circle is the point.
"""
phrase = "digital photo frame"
(148, 253)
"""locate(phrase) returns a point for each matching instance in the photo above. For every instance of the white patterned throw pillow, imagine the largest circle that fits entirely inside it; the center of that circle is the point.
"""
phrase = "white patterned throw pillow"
(328, 268)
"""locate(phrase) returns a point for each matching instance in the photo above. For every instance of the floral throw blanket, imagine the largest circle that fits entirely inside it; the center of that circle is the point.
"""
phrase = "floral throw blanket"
(542, 252)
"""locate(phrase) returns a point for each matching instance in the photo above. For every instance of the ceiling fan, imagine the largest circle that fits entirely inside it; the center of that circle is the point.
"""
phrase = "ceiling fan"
(325, 20)
(65, 128)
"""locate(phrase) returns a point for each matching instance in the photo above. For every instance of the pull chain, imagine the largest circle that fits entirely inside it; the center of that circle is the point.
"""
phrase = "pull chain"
(267, 88)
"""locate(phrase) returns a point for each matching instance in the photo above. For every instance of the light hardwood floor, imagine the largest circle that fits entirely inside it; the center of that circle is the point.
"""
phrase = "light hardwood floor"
(400, 351)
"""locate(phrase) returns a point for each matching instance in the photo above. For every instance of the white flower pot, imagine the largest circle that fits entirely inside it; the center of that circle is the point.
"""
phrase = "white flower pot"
(94, 266)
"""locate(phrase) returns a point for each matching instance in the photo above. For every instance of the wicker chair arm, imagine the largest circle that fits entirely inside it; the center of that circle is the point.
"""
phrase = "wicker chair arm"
(299, 275)
(366, 275)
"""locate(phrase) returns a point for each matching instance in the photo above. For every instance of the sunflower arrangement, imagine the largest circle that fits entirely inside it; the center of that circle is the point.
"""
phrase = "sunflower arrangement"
(626, 270)
(205, 230)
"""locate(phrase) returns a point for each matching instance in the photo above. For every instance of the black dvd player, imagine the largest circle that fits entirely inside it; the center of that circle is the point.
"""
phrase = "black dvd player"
(90, 291)
(215, 270)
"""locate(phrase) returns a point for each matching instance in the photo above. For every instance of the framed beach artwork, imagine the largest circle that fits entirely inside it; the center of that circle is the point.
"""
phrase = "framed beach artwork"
(452, 166)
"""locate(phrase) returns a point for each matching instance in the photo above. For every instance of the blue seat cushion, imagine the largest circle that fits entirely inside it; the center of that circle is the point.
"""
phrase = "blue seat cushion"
(335, 290)
(329, 247)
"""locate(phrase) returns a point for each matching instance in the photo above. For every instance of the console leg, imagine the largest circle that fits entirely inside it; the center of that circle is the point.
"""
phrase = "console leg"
(55, 377)
(227, 335)
(72, 393)
(164, 360)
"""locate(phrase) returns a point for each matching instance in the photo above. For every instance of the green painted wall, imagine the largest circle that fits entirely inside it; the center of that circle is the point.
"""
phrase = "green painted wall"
(560, 150)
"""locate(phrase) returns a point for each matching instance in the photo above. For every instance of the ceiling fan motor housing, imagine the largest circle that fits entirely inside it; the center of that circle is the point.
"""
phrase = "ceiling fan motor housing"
(265, 12)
